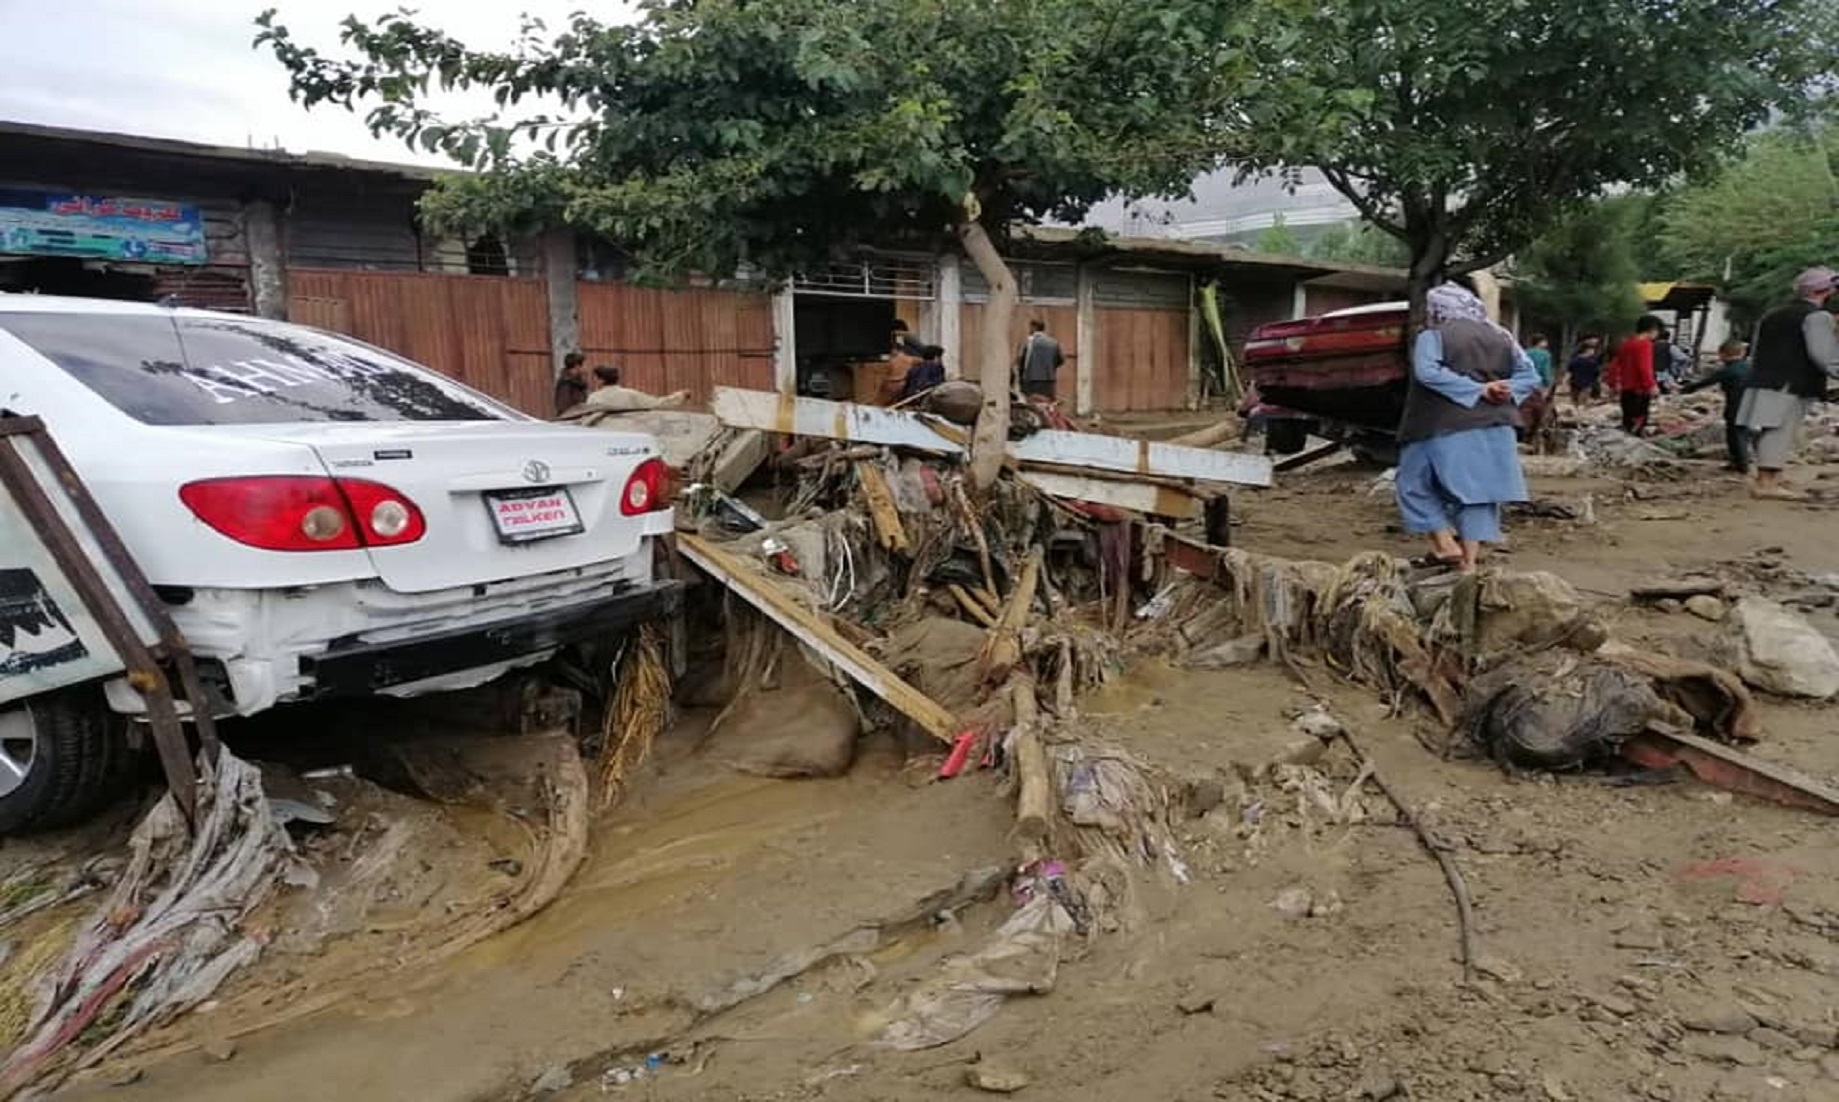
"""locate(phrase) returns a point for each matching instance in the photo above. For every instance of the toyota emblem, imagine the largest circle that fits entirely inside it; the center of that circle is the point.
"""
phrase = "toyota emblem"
(536, 471)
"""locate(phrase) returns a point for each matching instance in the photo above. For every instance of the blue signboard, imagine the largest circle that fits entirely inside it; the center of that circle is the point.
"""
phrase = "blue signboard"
(143, 231)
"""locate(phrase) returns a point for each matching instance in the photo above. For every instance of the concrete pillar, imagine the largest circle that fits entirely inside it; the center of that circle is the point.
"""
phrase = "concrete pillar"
(1299, 301)
(1085, 337)
(267, 259)
(951, 314)
(560, 269)
(785, 341)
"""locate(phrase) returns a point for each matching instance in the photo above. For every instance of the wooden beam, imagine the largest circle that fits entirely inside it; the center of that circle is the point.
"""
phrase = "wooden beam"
(1729, 768)
(1002, 652)
(1034, 786)
(971, 605)
(815, 631)
(1143, 457)
(784, 413)
(889, 531)
(794, 416)
(1150, 499)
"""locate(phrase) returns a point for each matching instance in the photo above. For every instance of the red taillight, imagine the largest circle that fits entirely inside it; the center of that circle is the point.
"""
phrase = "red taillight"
(291, 513)
(645, 491)
(385, 516)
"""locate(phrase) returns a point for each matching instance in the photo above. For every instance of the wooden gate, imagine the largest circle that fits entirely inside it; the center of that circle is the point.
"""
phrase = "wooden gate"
(489, 332)
(693, 338)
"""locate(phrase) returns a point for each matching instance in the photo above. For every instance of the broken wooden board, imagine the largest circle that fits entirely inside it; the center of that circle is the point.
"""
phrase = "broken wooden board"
(816, 632)
(889, 531)
(784, 413)
(1141, 457)
(793, 416)
(1138, 497)
(1728, 768)
(739, 459)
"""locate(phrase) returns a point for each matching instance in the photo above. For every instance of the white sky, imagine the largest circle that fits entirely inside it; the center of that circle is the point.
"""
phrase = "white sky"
(185, 68)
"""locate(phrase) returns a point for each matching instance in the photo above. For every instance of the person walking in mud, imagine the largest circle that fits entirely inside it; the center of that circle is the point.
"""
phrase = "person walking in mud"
(1796, 352)
(1631, 375)
(1459, 461)
(1731, 376)
(1585, 372)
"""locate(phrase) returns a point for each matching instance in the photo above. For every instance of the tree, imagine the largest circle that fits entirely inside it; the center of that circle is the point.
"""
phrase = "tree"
(1762, 219)
(1472, 127)
(1359, 243)
(1581, 274)
(1278, 240)
(788, 133)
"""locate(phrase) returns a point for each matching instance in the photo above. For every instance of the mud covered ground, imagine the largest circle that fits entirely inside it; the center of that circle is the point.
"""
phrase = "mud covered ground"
(1669, 942)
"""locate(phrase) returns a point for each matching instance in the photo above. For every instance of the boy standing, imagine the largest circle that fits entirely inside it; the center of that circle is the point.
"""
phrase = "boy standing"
(1731, 376)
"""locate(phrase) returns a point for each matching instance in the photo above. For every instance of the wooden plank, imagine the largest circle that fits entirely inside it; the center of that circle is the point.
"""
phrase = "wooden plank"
(1034, 785)
(889, 531)
(1139, 497)
(1729, 768)
(815, 631)
(1148, 457)
(1002, 651)
(759, 409)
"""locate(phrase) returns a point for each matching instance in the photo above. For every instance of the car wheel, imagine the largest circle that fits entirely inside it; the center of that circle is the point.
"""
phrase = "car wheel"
(63, 757)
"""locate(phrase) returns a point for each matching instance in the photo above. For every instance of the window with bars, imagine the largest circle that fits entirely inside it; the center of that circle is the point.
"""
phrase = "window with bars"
(882, 277)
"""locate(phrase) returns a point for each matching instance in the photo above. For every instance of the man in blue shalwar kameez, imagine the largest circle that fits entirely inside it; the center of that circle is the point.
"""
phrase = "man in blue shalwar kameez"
(1459, 460)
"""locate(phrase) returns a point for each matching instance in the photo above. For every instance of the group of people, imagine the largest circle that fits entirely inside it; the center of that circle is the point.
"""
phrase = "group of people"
(581, 392)
(1459, 458)
(920, 367)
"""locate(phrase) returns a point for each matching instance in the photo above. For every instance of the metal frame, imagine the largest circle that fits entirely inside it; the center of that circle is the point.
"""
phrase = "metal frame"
(151, 670)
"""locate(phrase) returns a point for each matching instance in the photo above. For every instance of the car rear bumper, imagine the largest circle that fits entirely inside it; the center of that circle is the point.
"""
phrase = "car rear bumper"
(364, 669)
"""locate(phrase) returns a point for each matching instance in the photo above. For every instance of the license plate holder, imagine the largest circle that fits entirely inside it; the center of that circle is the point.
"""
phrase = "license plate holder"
(536, 513)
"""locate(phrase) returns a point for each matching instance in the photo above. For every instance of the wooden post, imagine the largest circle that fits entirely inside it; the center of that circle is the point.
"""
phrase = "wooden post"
(1034, 789)
(1003, 652)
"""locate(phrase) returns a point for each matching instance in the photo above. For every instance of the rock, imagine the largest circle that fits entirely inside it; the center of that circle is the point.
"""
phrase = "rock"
(1776, 650)
(1640, 934)
(1614, 1004)
(1670, 606)
(1498, 967)
(1554, 1088)
(1196, 1004)
(957, 401)
(1724, 1049)
(219, 1049)
(1819, 1036)
(1376, 1086)
(555, 1079)
(1294, 902)
(995, 1078)
(1317, 722)
(1244, 651)
(1706, 607)
(1718, 1017)
(1204, 795)
(1773, 1039)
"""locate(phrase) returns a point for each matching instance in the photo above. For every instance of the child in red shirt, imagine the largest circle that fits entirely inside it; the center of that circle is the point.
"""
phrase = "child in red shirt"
(1631, 374)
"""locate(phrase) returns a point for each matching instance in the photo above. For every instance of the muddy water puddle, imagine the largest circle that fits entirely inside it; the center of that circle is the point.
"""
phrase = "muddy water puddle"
(703, 877)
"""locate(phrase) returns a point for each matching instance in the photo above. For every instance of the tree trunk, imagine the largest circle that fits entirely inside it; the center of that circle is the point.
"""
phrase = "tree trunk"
(995, 356)
(1429, 259)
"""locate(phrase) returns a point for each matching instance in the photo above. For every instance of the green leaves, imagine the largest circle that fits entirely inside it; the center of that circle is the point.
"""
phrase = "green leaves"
(784, 131)
(1469, 128)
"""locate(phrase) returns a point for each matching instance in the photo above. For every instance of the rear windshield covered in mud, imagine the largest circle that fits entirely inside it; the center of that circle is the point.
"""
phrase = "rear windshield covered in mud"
(182, 370)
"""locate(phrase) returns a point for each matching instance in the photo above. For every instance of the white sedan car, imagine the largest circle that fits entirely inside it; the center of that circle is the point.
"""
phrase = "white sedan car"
(322, 518)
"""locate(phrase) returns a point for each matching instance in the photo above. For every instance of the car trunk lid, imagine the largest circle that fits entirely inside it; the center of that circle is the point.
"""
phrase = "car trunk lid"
(501, 499)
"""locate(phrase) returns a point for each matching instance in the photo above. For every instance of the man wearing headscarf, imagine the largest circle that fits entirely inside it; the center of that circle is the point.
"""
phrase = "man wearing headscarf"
(1794, 354)
(1458, 459)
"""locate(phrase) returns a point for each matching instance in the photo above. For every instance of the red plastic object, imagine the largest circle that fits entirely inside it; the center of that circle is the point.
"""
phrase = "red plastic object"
(960, 755)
